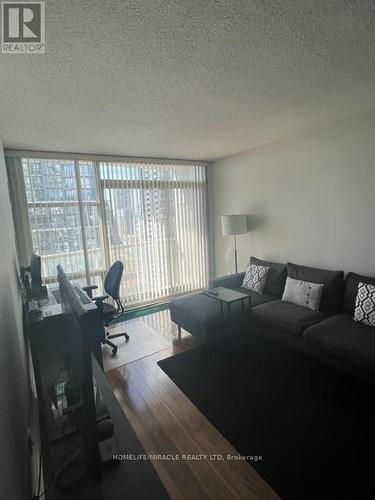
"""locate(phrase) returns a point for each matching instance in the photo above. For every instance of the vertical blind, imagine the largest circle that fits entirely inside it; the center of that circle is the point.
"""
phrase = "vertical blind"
(88, 214)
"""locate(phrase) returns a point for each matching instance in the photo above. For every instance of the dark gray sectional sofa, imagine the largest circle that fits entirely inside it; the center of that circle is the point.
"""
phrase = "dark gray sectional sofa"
(341, 336)
(330, 333)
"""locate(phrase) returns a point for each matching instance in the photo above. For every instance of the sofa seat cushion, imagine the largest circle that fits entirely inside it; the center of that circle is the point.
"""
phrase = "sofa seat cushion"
(256, 298)
(288, 317)
(193, 312)
(348, 339)
(227, 281)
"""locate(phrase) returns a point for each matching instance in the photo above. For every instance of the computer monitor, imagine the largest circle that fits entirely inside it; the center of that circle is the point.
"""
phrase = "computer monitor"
(33, 273)
(83, 330)
(36, 276)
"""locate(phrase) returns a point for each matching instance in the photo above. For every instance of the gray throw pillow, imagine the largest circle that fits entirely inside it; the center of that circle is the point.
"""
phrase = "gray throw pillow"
(303, 293)
(364, 311)
(255, 278)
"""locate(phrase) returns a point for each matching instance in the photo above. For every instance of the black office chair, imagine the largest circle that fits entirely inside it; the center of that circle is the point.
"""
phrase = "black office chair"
(108, 311)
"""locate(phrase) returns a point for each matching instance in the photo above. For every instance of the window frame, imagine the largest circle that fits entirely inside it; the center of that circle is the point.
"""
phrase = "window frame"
(126, 184)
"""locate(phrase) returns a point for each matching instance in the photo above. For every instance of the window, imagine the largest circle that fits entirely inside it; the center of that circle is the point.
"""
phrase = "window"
(151, 216)
(63, 207)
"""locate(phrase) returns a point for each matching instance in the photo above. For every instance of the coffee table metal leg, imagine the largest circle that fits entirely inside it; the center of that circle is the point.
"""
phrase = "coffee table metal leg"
(179, 332)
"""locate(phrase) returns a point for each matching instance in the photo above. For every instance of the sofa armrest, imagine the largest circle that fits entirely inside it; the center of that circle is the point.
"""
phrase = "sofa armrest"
(228, 281)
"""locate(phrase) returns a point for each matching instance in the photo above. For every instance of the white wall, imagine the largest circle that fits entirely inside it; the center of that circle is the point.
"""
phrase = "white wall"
(311, 198)
(14, 458)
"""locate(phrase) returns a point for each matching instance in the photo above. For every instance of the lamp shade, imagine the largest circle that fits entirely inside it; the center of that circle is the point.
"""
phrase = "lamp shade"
(234, 224)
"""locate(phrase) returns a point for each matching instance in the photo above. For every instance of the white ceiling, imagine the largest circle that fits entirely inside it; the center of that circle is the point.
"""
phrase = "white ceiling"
(198, 79)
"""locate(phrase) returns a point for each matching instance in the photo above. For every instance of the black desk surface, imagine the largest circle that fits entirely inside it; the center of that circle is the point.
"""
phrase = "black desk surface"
(127, 479)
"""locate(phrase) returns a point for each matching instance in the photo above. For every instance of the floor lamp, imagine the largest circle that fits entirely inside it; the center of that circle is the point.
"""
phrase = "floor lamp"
(233, 225)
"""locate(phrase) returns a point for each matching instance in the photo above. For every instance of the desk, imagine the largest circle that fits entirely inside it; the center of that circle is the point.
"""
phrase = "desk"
(45, 336)
(130, 479)
(47, 327)
(46, 332)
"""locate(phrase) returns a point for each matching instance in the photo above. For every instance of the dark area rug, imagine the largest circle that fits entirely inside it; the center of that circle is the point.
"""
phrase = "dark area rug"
(312, 424)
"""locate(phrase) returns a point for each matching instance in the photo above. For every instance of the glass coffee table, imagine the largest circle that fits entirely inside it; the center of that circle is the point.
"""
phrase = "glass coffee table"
(227, 296)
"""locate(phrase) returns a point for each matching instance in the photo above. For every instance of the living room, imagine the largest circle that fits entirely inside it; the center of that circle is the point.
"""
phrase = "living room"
(193, 183)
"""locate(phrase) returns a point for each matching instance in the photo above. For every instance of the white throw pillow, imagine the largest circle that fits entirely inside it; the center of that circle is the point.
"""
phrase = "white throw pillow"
(303, 293)
(255, 278)
(364, 311)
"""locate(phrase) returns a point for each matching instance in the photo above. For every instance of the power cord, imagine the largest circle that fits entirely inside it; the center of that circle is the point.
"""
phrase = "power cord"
(61, 465)
(51, 385)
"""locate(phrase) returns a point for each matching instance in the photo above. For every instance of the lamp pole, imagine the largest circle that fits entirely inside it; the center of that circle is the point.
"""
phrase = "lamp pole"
(235, 253)
(232, 225)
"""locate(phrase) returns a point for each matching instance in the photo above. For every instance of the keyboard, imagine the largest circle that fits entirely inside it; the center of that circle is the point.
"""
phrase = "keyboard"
(57, 295)
(85, 299)
(82, 295)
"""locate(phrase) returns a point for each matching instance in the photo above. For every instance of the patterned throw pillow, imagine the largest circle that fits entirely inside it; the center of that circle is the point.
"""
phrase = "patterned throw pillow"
(364, 311)
(255, 278)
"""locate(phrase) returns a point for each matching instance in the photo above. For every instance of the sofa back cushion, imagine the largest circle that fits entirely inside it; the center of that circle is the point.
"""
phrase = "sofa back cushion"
(276, 277)
(351, 290)
(303, 293)
(333, 282)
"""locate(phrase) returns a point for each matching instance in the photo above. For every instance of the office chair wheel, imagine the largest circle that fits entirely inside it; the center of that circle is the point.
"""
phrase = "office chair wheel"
(110, 344)
(126, 337)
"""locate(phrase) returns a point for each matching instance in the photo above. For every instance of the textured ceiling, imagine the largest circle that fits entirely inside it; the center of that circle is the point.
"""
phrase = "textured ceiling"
(187, 79)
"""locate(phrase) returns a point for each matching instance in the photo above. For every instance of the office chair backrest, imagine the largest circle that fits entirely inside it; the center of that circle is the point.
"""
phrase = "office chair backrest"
(113, 279)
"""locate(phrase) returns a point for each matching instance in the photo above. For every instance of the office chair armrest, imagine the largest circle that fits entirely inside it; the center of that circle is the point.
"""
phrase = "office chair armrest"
(88, 289)
(98, 301)
(100, 298)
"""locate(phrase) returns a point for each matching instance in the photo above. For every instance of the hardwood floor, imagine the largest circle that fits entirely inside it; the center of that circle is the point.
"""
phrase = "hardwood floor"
(167, 422)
